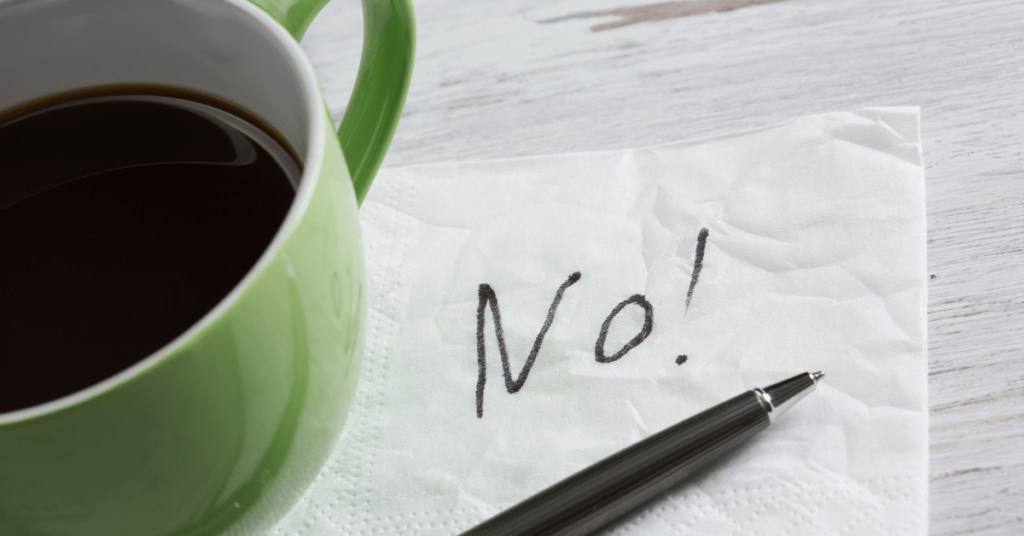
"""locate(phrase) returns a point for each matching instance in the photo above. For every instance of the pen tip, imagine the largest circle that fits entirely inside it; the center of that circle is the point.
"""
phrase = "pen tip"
(817, 375)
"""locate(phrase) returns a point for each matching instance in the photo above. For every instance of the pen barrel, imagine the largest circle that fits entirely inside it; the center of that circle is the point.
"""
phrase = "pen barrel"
(596, 496)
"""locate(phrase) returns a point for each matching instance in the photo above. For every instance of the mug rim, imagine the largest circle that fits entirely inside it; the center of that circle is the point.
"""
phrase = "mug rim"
(316, 119)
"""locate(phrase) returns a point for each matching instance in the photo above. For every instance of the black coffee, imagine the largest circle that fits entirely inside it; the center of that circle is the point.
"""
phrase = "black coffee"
(123, 220)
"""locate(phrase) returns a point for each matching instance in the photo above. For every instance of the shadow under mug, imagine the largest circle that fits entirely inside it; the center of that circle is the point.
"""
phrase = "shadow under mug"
(222, 429)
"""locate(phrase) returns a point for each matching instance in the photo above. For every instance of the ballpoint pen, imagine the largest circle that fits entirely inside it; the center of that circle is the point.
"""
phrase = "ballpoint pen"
(601, 493)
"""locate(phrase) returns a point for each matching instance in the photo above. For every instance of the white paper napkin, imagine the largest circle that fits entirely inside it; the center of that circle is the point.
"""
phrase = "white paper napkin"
(813, 259)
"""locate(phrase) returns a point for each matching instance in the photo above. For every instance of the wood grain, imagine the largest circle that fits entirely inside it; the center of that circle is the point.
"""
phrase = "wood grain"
(655, 12)
(492, 81)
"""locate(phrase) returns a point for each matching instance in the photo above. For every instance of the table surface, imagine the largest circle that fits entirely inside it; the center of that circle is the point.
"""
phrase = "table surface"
(529, 77)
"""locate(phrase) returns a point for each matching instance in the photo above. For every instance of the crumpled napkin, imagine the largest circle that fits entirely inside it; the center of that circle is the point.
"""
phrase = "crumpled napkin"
(810, 241)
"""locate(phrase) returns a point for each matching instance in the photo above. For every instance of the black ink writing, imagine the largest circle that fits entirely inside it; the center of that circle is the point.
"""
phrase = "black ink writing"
(698, 263)
(644, 332)
(488, 297)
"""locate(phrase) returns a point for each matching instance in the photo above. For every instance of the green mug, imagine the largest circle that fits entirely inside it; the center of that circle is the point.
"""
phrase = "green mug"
(221, 430)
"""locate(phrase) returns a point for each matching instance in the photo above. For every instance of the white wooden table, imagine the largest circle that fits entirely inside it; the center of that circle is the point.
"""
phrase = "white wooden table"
(526, 77)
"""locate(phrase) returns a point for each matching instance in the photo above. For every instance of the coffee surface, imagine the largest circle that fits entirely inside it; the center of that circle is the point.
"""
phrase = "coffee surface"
(122, 222)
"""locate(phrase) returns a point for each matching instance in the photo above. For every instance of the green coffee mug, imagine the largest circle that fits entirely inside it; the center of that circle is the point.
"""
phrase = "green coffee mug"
(221, 430)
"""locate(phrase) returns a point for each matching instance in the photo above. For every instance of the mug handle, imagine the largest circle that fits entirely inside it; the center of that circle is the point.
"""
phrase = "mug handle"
(385, 69)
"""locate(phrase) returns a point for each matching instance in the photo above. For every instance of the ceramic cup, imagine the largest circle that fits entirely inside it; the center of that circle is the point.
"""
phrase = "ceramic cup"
(223, 428)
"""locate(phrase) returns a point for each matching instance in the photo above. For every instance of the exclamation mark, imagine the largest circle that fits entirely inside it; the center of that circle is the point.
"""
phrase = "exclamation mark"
(698, 263)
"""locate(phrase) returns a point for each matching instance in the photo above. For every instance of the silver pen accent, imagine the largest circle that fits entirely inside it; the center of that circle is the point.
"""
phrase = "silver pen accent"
(601, 493)
(779, 397)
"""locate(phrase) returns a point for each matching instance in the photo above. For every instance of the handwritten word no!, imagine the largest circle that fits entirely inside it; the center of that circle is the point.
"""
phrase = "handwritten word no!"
(489, 300)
